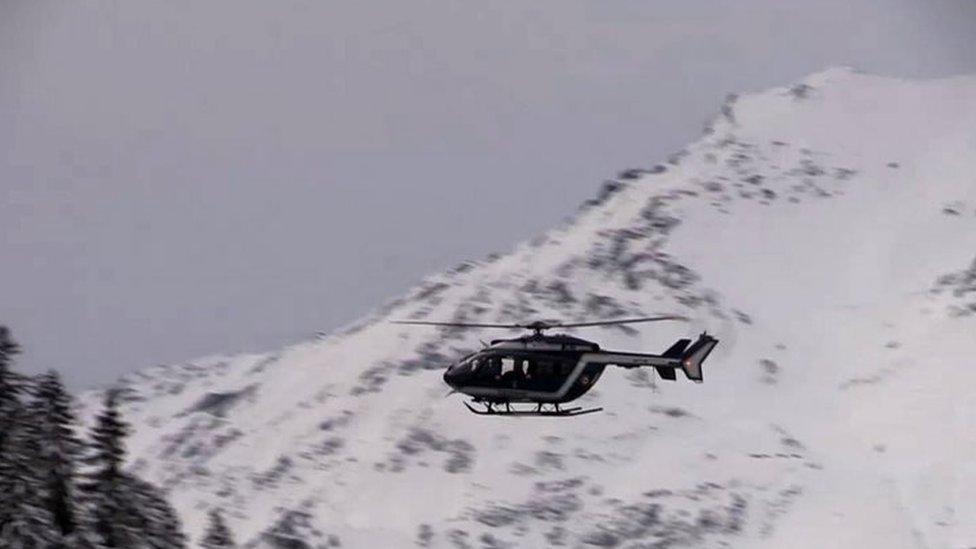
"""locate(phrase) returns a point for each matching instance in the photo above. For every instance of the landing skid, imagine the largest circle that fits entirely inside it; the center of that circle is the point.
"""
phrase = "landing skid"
(506, 409)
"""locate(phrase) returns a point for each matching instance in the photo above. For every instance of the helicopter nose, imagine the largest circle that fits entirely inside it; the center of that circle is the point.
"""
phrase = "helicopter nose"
(450, 376)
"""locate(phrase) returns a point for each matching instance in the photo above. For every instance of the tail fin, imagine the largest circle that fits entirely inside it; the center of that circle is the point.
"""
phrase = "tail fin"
(676, 350)
(666, 373)
(691, 361)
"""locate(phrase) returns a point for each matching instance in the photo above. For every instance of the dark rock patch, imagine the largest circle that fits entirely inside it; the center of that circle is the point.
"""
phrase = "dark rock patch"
(801, 91)
(294, 530)
(418, 441)
(549, 460)
(425, 535)
(273, 476)
(770, 371)
(372, 380)
(218, 404)
(961, 287)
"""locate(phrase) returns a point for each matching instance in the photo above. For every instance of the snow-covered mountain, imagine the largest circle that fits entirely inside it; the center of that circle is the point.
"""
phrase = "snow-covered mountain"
(824, 232)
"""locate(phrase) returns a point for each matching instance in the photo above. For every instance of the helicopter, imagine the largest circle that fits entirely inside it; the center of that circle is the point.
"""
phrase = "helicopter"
(546, 371)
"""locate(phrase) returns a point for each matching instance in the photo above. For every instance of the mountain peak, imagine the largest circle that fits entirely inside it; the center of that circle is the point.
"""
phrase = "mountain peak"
(806, 229)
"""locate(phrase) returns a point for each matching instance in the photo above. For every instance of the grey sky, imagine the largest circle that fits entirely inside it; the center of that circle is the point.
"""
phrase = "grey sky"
(185, 178)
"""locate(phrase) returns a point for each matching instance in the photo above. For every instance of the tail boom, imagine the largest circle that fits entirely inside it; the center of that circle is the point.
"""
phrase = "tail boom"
(688, 358)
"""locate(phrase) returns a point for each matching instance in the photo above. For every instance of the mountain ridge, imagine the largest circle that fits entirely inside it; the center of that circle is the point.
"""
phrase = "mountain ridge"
(806, 228)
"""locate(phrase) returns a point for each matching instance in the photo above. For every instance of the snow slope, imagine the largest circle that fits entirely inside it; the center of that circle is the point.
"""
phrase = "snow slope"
(825, 232)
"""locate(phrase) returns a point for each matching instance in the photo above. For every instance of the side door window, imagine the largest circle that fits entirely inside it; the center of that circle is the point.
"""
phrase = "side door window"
(508, 365)
(494, 367)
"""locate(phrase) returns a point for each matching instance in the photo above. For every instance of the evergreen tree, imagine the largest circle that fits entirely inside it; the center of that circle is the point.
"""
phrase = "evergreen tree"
(217, 535)
(108, 440)
(41, 505)
(58, 451)
(82, 538)
(126, 512)
(152, 517)
(25, 522)
(105, 487)
(11, 387)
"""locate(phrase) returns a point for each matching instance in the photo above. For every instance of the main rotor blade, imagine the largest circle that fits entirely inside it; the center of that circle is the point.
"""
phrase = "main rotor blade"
(457, 324)
(621, 321)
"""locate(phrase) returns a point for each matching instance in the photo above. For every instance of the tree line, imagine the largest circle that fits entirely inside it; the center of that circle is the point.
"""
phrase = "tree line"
(62, 491)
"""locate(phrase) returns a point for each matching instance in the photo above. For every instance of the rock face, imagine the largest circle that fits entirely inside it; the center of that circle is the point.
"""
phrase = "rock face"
(807, 229)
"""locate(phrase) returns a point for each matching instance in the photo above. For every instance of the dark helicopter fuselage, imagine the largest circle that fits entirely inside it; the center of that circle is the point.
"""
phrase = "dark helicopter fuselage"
(536, 368)
(548, 370)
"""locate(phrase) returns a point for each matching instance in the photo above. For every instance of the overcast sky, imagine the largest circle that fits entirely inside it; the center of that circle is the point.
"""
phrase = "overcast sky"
(186, 178)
